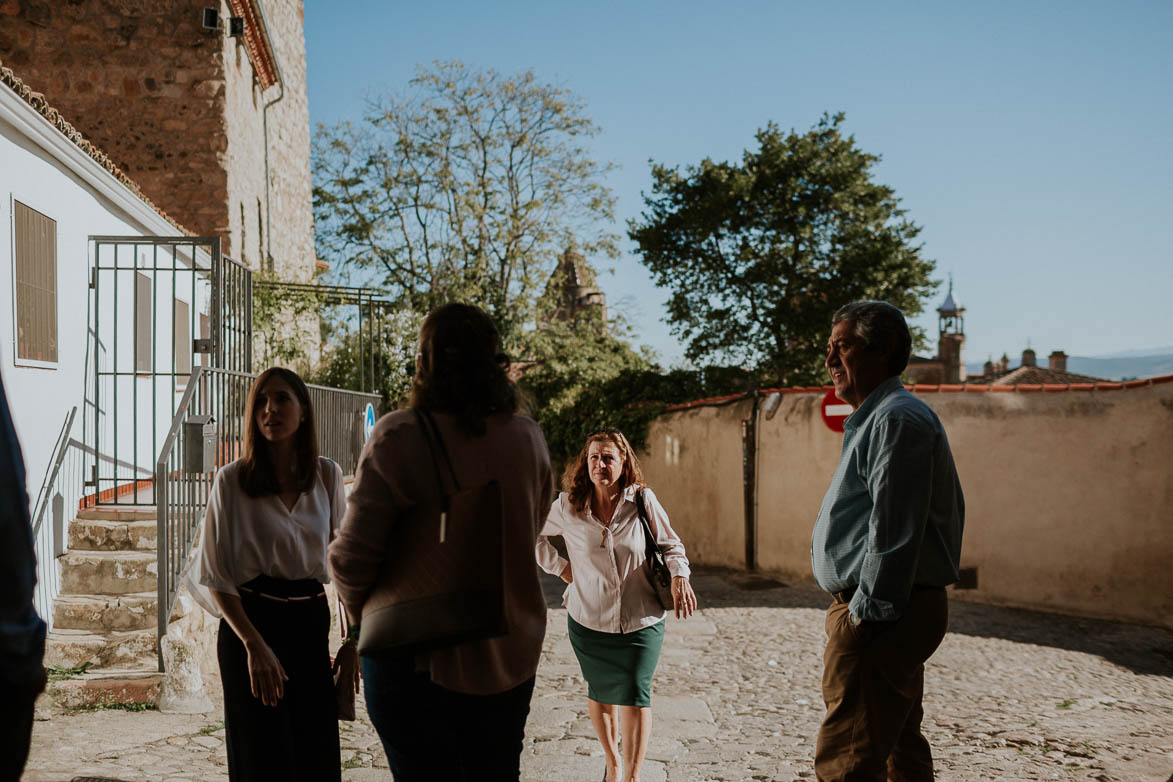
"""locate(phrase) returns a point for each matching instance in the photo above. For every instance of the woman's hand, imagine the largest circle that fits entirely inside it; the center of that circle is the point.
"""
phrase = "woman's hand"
(266, 677)
(347, 661)
(567, 576)
(683, 598)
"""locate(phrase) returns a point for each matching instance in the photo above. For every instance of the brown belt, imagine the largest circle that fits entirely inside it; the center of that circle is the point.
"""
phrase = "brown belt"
(275, 599)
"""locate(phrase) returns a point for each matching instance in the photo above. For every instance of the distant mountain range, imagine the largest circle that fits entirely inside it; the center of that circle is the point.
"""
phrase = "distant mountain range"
(1120, 366)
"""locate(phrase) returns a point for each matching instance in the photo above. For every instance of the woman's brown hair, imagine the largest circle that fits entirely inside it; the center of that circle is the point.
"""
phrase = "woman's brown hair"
(576, 481)
(257, 476)
(461, 369)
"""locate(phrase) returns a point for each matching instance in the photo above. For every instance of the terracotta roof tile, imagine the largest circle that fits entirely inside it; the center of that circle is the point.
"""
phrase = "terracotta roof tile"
(1041, 376)
(924, 388)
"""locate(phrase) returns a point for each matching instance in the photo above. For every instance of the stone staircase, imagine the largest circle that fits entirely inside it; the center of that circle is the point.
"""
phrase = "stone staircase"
(106, 611)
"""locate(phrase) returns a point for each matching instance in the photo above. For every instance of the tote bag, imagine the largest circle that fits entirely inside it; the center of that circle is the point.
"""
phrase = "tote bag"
(442, 583)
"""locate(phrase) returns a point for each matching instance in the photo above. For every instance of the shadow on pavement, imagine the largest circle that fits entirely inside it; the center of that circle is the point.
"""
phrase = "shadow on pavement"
(1139, 648)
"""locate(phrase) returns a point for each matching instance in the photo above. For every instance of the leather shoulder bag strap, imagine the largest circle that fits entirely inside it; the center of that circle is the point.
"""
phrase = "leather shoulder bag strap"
(436, 447)
(427, 426)
(651, 549)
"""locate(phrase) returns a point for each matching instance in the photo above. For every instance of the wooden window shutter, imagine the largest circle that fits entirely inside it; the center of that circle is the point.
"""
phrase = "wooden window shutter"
(36, 284)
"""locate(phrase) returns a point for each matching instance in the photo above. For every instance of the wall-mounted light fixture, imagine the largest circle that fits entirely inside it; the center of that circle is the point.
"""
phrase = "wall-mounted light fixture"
(211, 19)
(770, 405)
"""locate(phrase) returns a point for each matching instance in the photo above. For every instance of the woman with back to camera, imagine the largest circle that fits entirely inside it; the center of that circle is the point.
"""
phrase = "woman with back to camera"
(616, 623)
(458, 712)
(260, 566)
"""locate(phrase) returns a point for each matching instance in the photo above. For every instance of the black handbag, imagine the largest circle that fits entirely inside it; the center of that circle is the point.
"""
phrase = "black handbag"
(443, 581)
(654, 566)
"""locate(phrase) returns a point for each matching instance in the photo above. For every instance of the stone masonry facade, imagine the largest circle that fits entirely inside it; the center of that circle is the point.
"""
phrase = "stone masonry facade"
(182, 111)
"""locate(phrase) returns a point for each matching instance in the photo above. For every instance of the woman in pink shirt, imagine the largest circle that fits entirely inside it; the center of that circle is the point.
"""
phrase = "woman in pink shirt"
(457, 712)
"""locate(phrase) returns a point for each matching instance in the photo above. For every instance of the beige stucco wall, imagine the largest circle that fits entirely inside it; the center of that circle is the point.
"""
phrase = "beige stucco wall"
(693, 464)
(1068, 494)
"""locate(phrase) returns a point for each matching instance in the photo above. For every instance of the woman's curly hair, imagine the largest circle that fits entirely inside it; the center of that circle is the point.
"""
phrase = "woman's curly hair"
(576, 481)
(460, 368)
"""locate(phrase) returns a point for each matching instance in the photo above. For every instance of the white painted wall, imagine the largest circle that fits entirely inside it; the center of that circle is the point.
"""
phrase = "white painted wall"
(43, 169)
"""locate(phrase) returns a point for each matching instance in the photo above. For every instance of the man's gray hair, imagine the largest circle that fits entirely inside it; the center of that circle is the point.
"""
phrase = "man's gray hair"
(882, 327)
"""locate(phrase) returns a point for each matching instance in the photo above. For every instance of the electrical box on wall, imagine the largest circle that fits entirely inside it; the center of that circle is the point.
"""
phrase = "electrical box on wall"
(199, 444)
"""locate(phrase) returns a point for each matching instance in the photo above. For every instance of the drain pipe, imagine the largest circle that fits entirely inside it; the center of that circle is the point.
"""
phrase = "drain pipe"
(265, 131)
(749, 449)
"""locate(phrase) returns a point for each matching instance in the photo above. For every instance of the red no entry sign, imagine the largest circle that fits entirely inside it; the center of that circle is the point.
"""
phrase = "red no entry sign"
(835, 411)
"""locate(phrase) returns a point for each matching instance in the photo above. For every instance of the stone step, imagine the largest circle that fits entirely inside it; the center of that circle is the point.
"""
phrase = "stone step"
(104, 535)
(126, 649)
(103, 613)
(99, 686)
(108, 572)
(118, 513)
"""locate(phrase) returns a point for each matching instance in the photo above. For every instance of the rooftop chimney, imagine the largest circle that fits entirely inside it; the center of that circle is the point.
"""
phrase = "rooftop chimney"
(1058, 361)
(1028, 358)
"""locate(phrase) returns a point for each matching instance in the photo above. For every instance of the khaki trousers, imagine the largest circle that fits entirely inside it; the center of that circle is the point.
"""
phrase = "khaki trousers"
(873, 682)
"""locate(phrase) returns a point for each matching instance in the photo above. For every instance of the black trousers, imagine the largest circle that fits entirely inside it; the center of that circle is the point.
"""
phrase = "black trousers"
(431, 734)
(298, 738)
(16, 730)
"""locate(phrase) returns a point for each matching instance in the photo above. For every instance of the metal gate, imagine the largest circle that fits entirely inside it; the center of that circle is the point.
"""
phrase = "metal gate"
(159, 307)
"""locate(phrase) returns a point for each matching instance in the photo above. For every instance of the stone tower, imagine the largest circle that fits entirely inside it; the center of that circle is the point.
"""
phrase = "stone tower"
(573, 282)
(207, 112)
(951, 346)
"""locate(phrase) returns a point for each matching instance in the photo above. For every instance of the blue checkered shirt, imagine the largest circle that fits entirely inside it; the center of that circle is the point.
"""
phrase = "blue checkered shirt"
(893, 516)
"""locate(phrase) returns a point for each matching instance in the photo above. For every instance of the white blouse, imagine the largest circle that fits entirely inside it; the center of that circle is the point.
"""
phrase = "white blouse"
(243, 537)
(610, 592)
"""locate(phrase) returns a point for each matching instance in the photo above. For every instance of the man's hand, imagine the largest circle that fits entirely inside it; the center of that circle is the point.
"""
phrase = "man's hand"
(567, 576)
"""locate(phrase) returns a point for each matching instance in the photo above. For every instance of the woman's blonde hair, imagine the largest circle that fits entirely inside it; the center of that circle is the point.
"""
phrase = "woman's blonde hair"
(576, 481)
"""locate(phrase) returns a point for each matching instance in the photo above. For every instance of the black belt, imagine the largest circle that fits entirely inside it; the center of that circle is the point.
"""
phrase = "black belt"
(280, 590)
(845, 595)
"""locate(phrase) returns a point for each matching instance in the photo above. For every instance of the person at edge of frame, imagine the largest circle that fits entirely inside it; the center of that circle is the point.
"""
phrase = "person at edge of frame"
(22, 632)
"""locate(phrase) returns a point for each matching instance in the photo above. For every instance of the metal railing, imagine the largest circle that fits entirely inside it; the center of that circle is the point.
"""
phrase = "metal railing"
(49, 542)
(159, 307)
(181, 494)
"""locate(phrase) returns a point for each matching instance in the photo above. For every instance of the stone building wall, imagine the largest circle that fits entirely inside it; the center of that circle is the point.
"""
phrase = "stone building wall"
(145, 85)
(292, 240)
(178, 108)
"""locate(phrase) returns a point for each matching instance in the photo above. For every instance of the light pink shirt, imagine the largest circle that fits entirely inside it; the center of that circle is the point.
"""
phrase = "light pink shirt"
(610, 592)
(395, 474)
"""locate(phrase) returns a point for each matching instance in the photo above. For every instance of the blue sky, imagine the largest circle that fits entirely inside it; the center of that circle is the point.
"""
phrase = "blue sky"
(1031, 141)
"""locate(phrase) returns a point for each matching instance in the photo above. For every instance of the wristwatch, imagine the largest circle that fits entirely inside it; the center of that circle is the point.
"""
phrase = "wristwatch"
(351, 635)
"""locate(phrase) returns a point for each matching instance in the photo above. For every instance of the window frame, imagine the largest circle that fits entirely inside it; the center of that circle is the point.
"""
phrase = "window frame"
(34, 205)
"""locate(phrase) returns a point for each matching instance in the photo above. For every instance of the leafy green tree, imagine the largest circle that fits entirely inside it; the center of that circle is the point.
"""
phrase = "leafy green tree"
(758, 255)
(285, 324)
(387, 372)
(466, 188)
(562, 359)
(631, 399)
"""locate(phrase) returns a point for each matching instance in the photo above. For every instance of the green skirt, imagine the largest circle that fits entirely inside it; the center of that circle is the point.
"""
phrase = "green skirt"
(618, 667)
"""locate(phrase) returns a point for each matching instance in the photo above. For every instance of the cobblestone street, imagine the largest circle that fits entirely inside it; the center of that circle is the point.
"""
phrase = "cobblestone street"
(1011, 695)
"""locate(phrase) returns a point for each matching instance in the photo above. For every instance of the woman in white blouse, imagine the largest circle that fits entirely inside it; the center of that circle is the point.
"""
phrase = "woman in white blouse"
(260, 566)
(616, 623)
